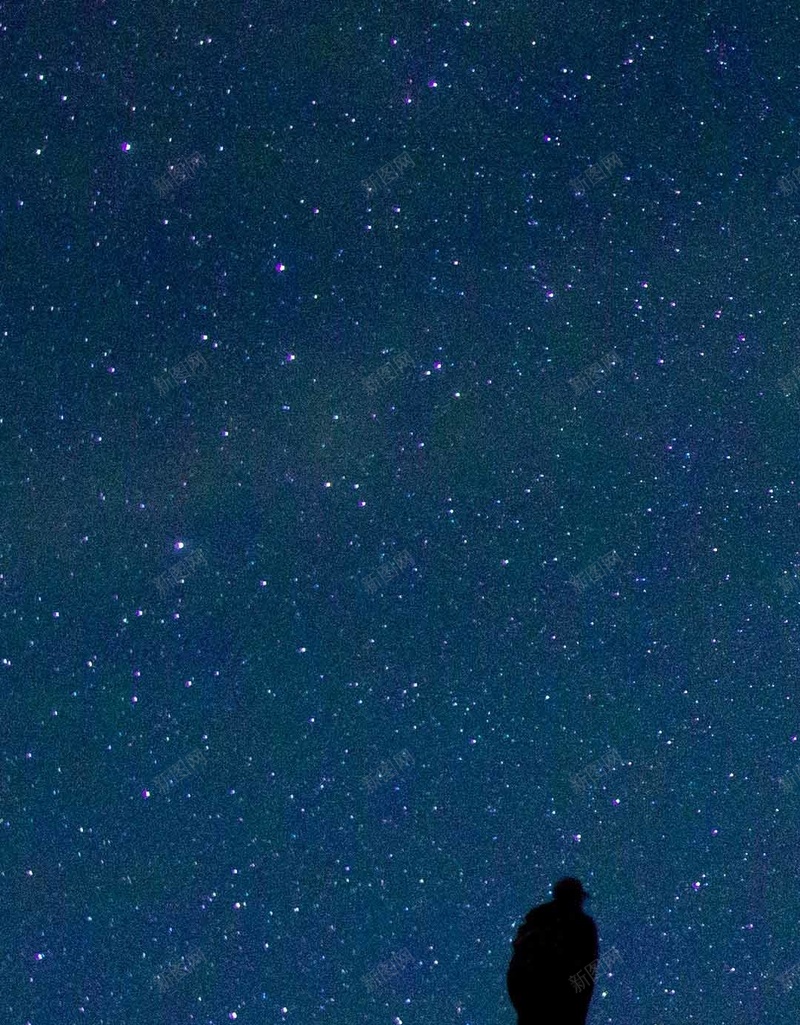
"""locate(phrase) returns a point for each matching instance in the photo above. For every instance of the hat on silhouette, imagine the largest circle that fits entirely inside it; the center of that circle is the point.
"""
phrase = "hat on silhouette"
(569, 890)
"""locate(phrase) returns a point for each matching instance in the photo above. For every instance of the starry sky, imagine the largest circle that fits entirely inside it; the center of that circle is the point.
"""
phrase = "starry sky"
(399, 432)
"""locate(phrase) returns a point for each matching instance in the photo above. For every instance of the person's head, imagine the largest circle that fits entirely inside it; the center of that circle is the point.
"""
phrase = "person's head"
(569, 892)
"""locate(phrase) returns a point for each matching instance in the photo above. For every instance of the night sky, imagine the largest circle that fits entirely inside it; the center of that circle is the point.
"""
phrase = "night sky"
(400, 501)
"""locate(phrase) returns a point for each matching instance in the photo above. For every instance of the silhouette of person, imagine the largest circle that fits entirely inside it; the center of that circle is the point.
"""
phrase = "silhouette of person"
(550, 979)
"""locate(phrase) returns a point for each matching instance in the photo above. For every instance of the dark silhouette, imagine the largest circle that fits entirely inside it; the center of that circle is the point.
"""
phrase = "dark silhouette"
(551, 976)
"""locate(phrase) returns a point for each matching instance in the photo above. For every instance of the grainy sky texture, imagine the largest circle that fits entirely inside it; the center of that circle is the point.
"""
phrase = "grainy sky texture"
(399, 436)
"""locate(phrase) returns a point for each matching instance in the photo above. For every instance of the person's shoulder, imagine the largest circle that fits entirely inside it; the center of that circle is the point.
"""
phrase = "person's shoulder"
(540, 911)
(537, 917)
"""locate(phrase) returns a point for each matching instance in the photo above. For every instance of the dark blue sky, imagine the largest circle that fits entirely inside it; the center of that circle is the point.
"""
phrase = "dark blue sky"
(343, 529)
